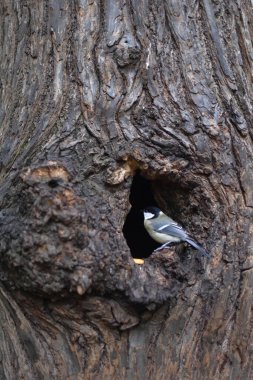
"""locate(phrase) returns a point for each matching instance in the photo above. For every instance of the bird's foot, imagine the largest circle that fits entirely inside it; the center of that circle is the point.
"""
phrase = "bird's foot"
(163, 246)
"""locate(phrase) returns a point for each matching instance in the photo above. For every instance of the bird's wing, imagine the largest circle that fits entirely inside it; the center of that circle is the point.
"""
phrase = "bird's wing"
(173, 229)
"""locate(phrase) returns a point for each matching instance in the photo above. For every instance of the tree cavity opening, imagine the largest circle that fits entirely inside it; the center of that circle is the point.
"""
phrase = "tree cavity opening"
(178, 200)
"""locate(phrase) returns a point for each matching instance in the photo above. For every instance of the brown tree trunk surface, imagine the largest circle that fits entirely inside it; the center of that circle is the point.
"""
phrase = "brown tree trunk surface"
(93, 94)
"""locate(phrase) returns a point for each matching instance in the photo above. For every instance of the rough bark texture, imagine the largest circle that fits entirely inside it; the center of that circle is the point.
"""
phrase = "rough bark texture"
(92, 92)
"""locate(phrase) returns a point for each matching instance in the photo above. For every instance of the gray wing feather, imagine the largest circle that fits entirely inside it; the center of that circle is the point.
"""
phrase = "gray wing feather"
(163, 227)
(173, 229)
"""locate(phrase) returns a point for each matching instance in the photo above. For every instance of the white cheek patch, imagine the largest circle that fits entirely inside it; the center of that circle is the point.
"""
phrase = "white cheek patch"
(148, 215)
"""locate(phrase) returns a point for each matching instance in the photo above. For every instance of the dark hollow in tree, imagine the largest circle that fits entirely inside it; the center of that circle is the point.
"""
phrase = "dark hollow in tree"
(93, 95)
(138, 240)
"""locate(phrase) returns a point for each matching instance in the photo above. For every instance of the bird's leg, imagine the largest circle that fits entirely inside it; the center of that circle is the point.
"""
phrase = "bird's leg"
(162, 246)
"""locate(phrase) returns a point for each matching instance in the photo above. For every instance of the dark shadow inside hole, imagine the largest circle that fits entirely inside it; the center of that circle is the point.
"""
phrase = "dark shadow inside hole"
(140, 243)
(53, 183)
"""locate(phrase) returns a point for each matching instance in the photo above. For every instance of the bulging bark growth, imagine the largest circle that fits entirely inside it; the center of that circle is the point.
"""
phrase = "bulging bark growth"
(98, 98)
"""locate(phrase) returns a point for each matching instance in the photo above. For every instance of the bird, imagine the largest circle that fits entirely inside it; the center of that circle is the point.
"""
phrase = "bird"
(166, 231)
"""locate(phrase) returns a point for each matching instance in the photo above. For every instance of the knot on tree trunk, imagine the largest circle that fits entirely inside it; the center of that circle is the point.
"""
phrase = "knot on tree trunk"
(66, 237)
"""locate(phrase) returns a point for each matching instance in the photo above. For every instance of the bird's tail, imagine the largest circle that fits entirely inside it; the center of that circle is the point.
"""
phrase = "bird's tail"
(197, 246)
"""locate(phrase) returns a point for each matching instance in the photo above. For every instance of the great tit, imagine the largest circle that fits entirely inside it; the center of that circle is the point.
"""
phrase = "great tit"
(165, 231)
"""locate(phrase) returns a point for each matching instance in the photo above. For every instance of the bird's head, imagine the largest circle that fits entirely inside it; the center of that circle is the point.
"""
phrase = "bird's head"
(151, 212)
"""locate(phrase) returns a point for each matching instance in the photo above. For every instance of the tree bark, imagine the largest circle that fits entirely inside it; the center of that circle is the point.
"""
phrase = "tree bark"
(93, 94)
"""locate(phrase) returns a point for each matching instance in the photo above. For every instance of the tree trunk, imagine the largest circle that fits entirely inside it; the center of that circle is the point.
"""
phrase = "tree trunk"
(106, 107)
